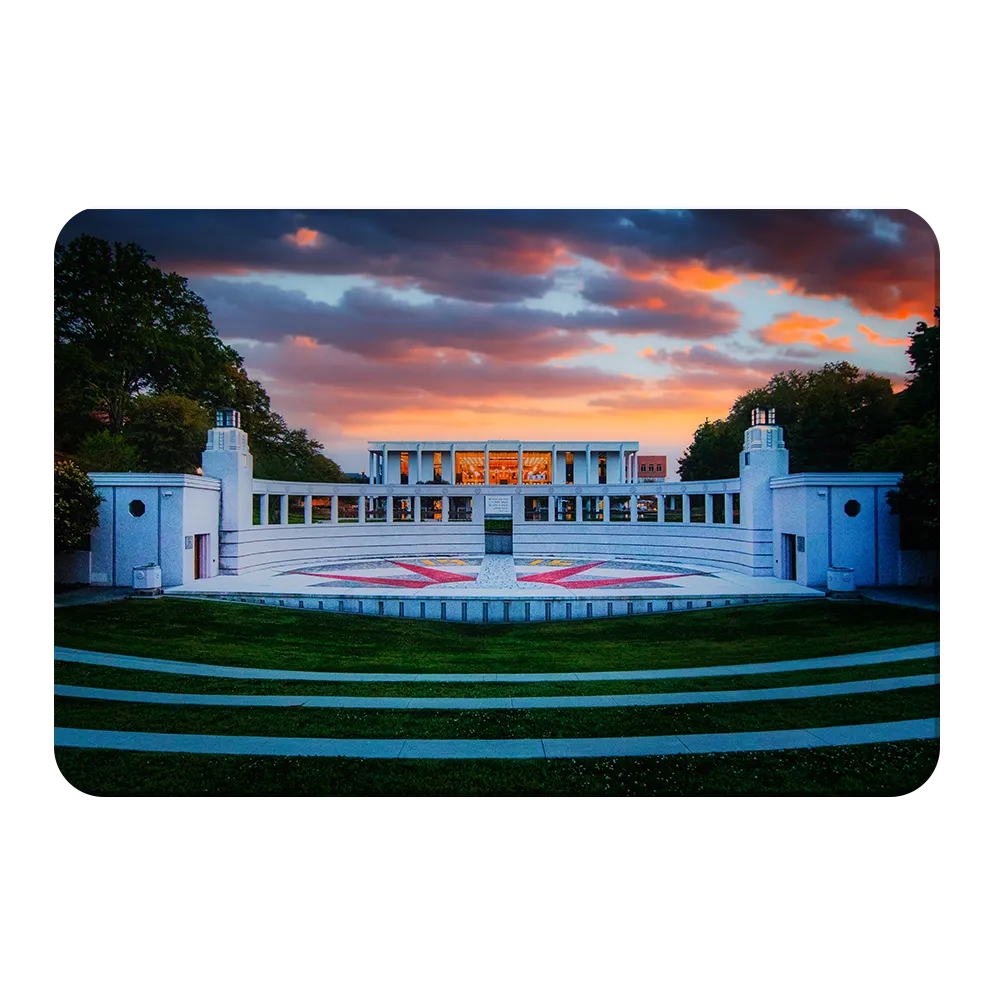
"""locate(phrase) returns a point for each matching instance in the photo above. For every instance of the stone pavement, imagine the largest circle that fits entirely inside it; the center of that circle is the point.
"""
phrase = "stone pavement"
(91, 595)
(580, 701)
(918, 651)
(627, 746)
(911, 597)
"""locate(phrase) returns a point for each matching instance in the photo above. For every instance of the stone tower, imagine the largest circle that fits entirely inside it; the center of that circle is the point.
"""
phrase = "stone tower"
(764, 455)
(227, 457)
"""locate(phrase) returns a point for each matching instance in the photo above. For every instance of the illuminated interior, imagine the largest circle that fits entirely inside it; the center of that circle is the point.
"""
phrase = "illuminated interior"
(503, 468)
(404, 467)
(537, 467)
(469, 467)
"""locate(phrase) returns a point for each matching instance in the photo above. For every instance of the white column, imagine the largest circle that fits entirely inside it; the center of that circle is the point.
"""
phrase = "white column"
(452, 465)
(265, 507)
(606, 507)
(553, 475)
(587, 453)
(420, 471)
(686, 508)
(659, 508)
(729, 508)
(361, 509)
(309, 508)
(371, 466)
(633, 508)
(283, 501)
(416, 509)
(388, 510)
(486, 464)
(579, 508)
(444, 509)
(520, 465)
(385, 462)
(621, 463)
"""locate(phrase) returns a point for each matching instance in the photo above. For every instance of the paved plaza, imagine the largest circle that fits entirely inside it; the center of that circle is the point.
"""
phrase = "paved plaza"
(500, 576)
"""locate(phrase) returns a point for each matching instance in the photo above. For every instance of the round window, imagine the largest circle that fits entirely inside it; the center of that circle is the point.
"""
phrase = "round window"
(852, 508)
(136, 508)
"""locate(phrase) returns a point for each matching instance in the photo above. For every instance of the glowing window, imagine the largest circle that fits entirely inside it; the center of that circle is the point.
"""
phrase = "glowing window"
(469, 467)
(503, 468)
(537, 467)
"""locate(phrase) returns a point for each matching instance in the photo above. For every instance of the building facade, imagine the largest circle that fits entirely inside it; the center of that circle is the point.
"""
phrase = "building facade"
(577, 498)
(651, 468)
(502, 463)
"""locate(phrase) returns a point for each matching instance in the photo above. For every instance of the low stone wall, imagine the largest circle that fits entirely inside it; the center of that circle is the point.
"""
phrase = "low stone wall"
(494, 611)
(275, 546)
(73, 567)
(717, 546)
(919, 568)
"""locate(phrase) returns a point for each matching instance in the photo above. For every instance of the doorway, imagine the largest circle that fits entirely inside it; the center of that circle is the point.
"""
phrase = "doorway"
(788, 567)
(499, 532)
(202, 556)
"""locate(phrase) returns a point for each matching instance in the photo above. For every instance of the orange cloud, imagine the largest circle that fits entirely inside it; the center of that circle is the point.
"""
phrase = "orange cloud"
(877, 338)
(304, 237)
(794, 328)
(696, 278)
(309, 342)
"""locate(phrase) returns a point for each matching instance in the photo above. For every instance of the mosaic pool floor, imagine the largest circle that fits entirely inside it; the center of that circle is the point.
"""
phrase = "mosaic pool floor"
(497, 575)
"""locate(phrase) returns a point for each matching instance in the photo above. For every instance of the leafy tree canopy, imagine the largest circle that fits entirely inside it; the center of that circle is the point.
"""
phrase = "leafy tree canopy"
(168, 431)
(827, 414)
(103, 451)
(76, 506)
(136, 355)
(124, 327)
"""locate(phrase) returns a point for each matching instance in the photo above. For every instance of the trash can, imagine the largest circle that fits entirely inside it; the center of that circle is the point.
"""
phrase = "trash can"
(839, 580)
(147, 580)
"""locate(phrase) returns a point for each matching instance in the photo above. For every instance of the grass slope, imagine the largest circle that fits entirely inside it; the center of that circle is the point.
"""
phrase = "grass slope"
(244, 635)
(121, 678)
(797, 713)
(878, 769)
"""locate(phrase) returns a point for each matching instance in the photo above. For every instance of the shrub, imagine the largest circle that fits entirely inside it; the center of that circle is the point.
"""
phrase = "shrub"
(76, 506)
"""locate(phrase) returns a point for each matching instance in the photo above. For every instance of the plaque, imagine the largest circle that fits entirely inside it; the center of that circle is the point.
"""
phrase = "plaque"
(498, 505)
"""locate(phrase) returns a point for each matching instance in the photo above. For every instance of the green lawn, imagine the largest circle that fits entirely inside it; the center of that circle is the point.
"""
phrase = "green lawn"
(795, 713)
(877, 769)
(122, 678)
(253, 636)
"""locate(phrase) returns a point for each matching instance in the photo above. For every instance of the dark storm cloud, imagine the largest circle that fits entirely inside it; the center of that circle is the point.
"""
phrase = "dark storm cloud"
(884, 262)
(373, 323)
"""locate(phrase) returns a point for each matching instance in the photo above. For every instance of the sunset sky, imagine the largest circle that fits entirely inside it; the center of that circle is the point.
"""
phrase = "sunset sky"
(579, 324)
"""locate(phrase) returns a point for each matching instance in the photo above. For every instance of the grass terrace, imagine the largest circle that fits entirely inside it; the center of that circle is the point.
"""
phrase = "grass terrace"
(251, 636)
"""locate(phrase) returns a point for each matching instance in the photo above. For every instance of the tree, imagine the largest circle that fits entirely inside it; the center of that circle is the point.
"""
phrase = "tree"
(914, 448)
(294, 456)
(910, 448)
(827, 414)
(917, 502)
(714, 452)
(922, 396)
(168, 431)
(107, 452)
(126, 333)
(76, 507)
(124, 327)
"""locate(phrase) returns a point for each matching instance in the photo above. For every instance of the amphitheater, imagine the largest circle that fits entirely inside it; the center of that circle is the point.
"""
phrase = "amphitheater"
(494, 534)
